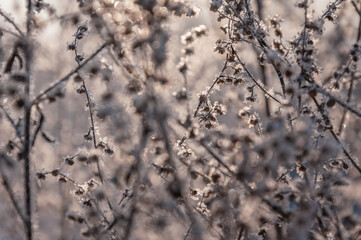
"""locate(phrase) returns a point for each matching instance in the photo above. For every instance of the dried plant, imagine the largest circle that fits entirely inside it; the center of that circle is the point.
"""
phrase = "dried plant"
(117, 102)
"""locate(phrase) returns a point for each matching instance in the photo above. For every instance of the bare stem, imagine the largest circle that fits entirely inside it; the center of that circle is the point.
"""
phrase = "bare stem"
(11, 22)
(263, 67)
(27, 126)
(12, 198)
(67, 76)
(350, 90)
(326, 119)
(339, 101)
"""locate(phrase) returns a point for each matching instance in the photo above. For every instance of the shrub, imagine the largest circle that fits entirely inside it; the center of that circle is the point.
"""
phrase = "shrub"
(115, 100)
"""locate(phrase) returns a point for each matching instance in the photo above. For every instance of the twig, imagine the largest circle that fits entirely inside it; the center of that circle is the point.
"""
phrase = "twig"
(339, 101)
(187, 93)
(10, 32)
(215, 156)
(12, 198)
(90, 113)
(12, 122)
(240, 233)
(303, 71)
(286, 173)
(254, 80)
(334, 4)
(188, 231)
(125, 194)
(261, 42)
(11, 22)
(349, 94)
(212, 86)
(326, 119)
(38, 128)
(67, 76)
(263, 67)
(27, 126)
(356, 8)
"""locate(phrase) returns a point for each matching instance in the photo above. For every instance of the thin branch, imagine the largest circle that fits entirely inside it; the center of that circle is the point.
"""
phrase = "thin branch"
(67, 76)
(286, 173)
(38, 128)
(350, 90)
(89, 103)
(263, 67)
(339, 101)
(11, 22)
(212, 86)
(188, 231)
(261, 42)
(303, 71)
(349, 95)
(12, 122)
(240, 233)
(356, 8)
(326, 119)
(29, 17)
(9, 32)
(215, 156)
(27, 125)
(187, 93)
(331, 6)
(5, 182)
(254, 80)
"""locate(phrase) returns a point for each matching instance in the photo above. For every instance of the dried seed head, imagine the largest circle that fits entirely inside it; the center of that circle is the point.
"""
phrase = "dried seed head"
(82, 158)
(55, 172)
(41, 176)
(62, 179)
(69, 161)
